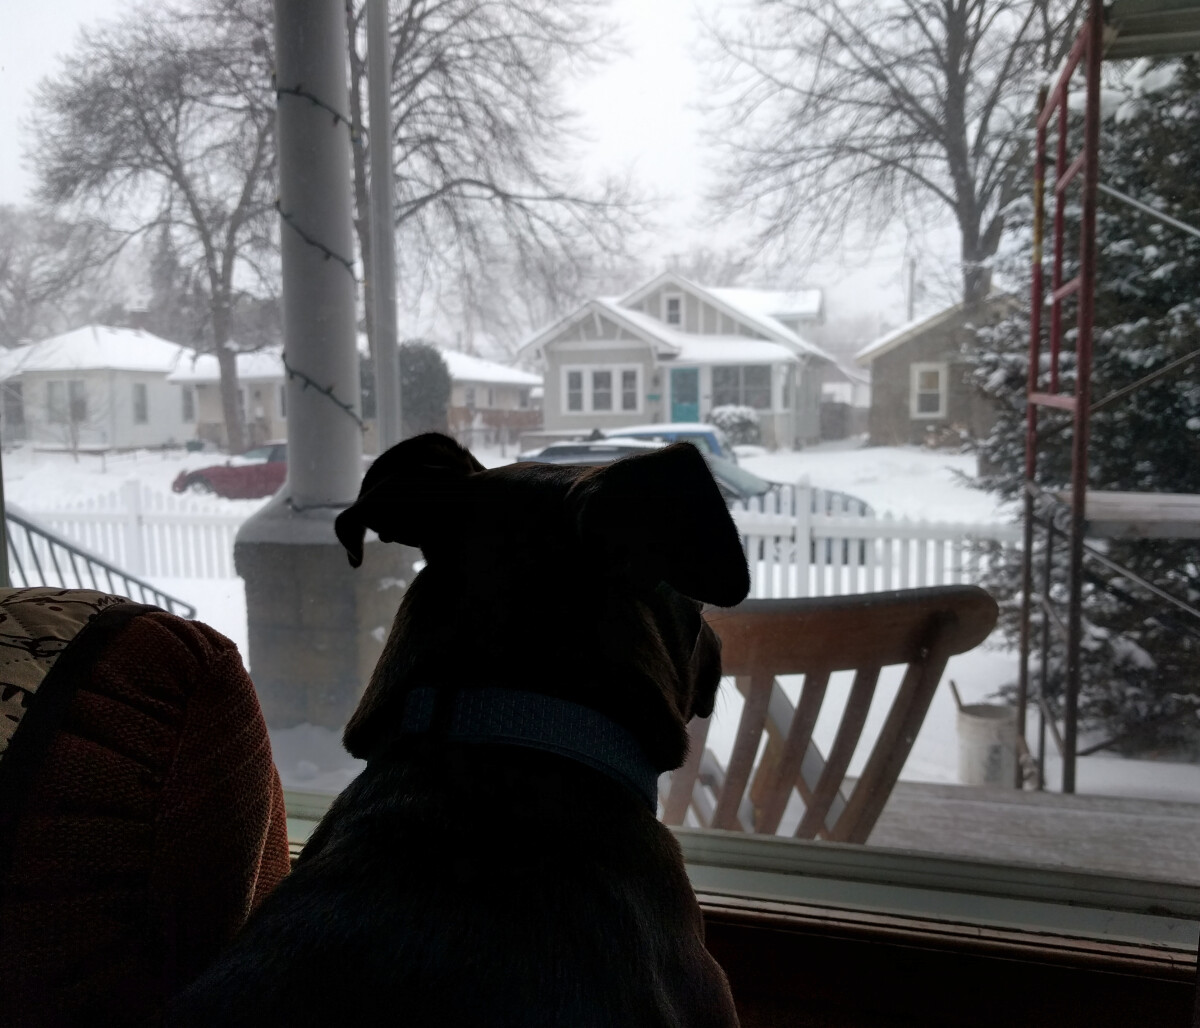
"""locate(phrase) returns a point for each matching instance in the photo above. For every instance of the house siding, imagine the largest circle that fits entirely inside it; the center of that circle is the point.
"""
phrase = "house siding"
(890, 421)
(109, 419)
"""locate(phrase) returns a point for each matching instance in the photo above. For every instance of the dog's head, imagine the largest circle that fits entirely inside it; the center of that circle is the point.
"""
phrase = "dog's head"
(582, 583)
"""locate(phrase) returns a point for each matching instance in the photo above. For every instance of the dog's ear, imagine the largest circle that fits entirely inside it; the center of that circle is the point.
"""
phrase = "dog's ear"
(404, 493)
(662, 512)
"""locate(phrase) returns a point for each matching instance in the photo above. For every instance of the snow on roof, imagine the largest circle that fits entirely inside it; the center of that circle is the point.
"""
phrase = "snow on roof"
(773, 303)
(465, 367)
(732, 350)
(903, 334)
(99, 348)
(267, 365)
(261, 365)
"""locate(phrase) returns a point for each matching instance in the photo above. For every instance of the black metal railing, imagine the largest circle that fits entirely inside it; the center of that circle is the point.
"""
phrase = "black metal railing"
(39, 556)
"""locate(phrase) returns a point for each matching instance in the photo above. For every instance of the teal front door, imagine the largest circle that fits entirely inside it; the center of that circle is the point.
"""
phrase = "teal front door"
(685, 394)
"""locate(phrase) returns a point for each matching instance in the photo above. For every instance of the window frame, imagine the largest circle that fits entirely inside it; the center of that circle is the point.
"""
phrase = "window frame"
(1007, 909)
(666, 309)
(915, 393)
(740, 389)
(616, 389)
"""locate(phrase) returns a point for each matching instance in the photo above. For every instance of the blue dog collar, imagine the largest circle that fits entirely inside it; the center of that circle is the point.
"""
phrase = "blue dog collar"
(516, 718)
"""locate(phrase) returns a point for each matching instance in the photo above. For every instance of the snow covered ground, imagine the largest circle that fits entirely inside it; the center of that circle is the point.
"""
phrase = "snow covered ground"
(903, 481)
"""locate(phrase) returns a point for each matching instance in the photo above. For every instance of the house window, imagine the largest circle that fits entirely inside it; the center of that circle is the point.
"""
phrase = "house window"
(748, 386)
(491, 398)
(66, 402)
(574, 390)
(523, 399)
(629, 390)
(189, 405)
(928, 390)
(282, 401)
(602, 397)
(673, 308)
(602, 390)
(469, 397)
(56, 403)
(141, 403)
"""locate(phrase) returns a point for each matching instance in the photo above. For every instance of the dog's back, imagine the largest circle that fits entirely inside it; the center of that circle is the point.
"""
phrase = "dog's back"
(520, 880)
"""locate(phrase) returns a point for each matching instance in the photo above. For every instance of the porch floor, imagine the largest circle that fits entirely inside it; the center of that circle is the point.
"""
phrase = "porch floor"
(1136, 837)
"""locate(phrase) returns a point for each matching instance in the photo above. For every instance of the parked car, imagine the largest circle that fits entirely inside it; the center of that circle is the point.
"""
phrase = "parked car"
(252, 475)
(709, 438)
(736, 484)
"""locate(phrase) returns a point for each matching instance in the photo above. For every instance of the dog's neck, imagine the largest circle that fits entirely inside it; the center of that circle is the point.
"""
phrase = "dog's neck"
(512, 717)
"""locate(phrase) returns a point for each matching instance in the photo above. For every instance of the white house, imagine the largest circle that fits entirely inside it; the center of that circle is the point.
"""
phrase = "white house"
(672, 350)
(262, 398)
(95, 388)
(488, 401)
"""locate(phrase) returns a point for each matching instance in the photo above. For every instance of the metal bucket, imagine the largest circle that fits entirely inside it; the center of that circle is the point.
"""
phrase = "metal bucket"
(987, 745)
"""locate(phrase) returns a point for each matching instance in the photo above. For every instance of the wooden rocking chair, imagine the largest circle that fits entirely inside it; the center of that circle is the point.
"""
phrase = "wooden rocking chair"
(919, 628)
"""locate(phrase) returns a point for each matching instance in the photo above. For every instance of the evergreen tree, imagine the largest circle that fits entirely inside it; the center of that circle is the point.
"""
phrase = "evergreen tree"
(424, 389)
(1140, 687)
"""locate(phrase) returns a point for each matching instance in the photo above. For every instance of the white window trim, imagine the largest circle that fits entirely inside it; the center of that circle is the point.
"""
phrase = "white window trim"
(914, 373)
(588, 389)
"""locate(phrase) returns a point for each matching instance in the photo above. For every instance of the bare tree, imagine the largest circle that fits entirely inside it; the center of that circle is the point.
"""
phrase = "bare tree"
(45, 266)
(844, 112)
(164, 120)
(485, 204)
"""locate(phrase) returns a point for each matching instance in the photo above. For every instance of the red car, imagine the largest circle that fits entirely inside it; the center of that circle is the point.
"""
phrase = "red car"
(252, 475)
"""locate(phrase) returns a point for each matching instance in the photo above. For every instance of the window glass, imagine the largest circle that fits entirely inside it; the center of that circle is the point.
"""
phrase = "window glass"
(629, 390)
(726, 384)
(870, 485)
(56, 401)
(756, 386)
(602, 397)
(575, 390)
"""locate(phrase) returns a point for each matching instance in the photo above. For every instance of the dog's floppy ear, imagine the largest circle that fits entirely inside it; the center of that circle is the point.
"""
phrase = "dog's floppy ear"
(664, 513)
(404, 492)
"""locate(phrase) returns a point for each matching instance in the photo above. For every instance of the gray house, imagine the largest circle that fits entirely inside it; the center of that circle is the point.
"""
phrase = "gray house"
(672, 350)
(919, 387)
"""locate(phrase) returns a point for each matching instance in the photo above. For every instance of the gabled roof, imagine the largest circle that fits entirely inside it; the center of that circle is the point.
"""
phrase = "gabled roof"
(465, 367)
(746, 306)
(919, 326)
(97, 348)
(259, 366)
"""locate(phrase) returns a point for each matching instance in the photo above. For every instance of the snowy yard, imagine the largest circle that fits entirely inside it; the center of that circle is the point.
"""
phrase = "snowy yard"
(901, 481)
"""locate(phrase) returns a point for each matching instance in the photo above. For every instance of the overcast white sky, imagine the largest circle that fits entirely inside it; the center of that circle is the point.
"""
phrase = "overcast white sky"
(639, 110)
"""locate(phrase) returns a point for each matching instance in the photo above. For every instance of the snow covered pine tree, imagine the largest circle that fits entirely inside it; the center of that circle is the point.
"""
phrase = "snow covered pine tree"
(1139, 691)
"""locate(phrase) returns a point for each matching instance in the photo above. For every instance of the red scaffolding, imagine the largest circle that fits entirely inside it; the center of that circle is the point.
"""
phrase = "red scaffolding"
(1078, 512)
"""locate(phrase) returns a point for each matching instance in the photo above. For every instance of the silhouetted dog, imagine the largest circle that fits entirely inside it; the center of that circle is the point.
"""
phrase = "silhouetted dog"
(499, 861)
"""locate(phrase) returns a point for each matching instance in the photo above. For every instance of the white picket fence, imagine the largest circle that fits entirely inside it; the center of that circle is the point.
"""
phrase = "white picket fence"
(809, 553)
(149, 534)
(810, 542)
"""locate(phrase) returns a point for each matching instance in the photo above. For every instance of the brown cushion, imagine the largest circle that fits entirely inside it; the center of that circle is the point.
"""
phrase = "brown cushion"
(153, 825)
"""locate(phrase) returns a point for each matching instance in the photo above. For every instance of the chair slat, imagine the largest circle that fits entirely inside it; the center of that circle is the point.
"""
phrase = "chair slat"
(745, 748)
(683, 780)
(849, 732)
(785, 771)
